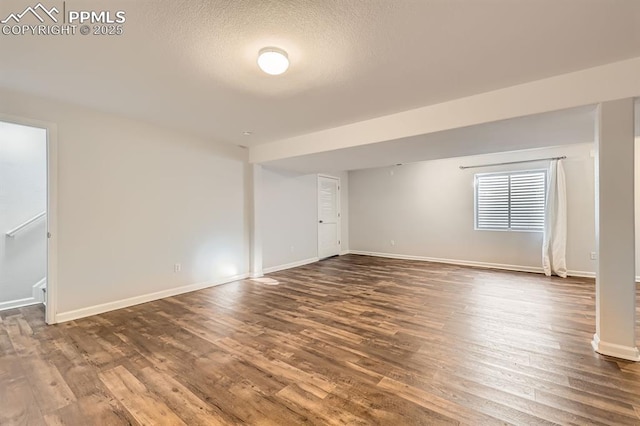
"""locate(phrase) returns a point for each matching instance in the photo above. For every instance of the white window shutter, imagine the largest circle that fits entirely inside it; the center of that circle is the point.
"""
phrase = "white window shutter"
(492, 202)
(527, 201)
(510, 201)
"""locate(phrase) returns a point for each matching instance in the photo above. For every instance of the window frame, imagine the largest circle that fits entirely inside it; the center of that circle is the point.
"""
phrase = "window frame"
(507, 173)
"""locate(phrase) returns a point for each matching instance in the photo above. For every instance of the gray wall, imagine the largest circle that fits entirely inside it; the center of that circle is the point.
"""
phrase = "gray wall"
(427, 209)
(290, 222)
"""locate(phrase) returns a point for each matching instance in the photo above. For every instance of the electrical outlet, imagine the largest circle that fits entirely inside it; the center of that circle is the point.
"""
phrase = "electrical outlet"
(393, 242)
(293, 249)
(593, 255)
(177, 267)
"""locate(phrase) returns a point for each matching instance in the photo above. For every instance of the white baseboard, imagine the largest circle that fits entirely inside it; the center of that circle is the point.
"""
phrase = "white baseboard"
(506, 267)
(581, 274)
(18, 303)
(586, 274)
(125, 303)
(290, 265)
(343, 252)
(618, 351)
(36, 297)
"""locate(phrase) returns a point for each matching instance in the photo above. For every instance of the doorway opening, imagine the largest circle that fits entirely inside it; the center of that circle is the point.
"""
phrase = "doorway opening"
(25, 216)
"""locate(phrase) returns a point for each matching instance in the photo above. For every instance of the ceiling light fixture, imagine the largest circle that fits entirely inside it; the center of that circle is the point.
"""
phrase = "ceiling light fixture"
(273, 61)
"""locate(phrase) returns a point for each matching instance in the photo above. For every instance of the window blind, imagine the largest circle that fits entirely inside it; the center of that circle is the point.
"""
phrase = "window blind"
(510, 201)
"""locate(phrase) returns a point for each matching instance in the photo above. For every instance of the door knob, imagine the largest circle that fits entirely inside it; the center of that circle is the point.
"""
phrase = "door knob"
(320, 221)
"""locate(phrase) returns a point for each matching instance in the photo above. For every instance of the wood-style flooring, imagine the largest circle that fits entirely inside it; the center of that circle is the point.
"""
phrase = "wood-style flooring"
(351, 340)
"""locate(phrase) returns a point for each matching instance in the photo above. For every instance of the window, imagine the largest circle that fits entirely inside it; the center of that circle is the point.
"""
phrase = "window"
(510, 201)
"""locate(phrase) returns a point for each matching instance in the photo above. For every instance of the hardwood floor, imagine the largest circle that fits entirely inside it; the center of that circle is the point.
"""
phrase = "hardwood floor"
(350, 340)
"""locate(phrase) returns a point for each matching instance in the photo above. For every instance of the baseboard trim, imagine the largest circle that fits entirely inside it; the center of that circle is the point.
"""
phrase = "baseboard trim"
(611, 349)
(12, 304)
(586, 274)
(290, 265)
(488, 265)
(343, 252)
(137, 300)
(581, 274)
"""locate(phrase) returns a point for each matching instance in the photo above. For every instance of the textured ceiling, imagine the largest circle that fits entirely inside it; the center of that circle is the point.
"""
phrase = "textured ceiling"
(191, 65)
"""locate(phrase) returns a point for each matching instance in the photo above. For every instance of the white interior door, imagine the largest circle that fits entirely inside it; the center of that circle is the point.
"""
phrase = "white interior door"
(328, 216)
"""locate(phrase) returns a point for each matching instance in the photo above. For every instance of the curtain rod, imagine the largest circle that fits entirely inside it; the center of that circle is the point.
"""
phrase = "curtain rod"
(513, 162)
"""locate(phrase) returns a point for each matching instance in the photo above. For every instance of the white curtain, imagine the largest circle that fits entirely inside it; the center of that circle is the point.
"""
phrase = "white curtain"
(554, 244)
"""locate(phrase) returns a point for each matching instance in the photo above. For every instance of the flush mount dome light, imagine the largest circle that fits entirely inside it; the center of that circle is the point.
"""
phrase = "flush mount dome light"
(273, 61)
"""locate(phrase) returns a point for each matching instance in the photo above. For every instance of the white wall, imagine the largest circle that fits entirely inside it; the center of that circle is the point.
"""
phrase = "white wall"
(133, 199)
(290, 217)
(23, 195)
(427, 209)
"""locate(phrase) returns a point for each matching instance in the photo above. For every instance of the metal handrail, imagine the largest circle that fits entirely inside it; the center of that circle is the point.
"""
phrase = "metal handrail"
(11, 233)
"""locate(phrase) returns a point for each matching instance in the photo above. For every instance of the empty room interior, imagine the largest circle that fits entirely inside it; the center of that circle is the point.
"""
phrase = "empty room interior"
(319, 212)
